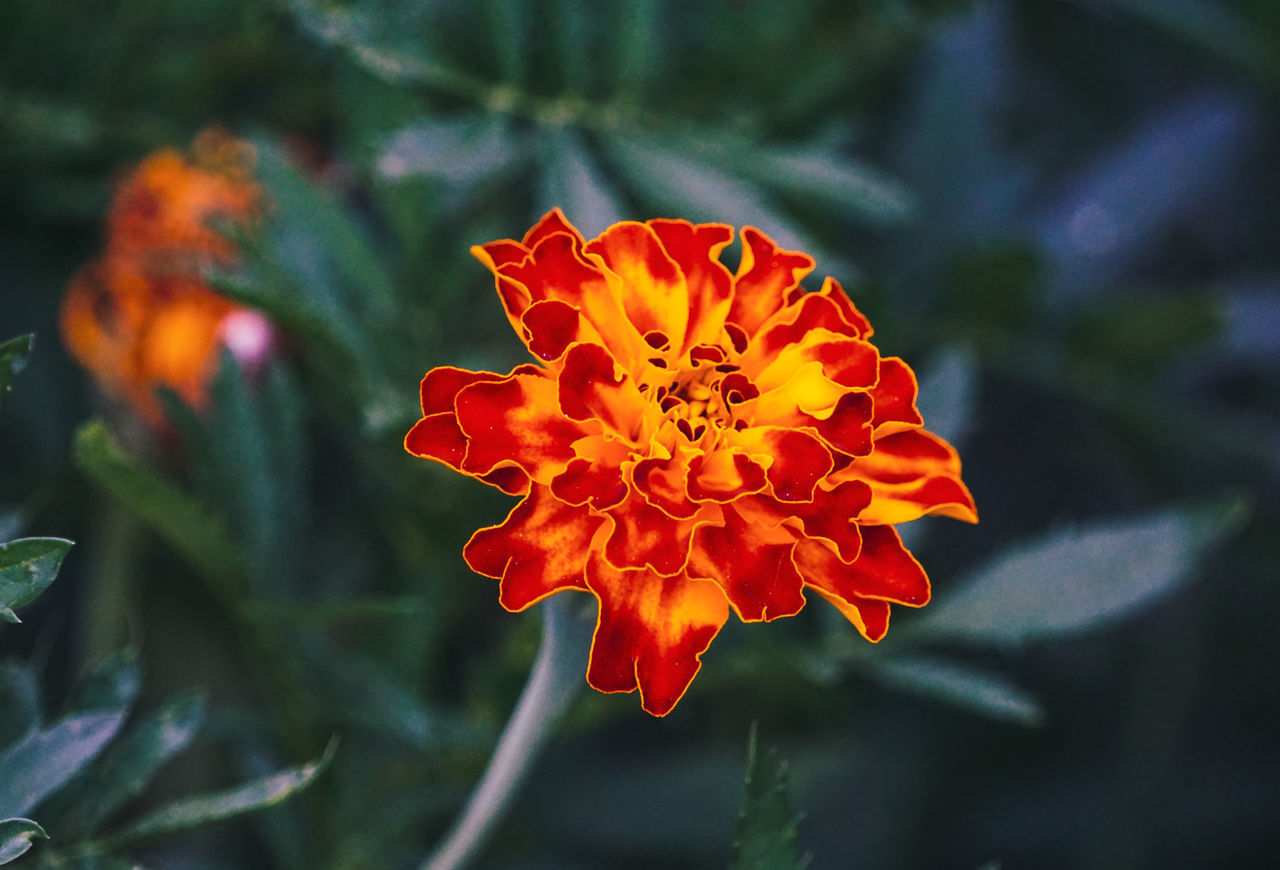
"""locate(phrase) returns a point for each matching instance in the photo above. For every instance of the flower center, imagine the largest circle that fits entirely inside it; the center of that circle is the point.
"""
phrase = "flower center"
(702, 396)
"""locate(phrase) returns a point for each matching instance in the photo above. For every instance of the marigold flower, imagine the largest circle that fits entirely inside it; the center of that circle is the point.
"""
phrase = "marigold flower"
(690, 441)
(141, 315)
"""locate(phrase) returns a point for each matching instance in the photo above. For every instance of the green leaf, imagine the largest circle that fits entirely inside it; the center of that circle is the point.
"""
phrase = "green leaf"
(13, 356)
(19, 701)
(767, 826)
(339, 238)
(675, 181)
(129, 764)
(113, 684)
(16, 836)
(968, 687)
(204, 809)
(27, 567)
(1079, 578)
(181, 520)
(572, 180)
(43, 761)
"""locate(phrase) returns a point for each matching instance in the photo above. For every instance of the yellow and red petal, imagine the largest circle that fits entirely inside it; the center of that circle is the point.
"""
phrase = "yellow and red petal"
(832, 290)
(663, 482)
(541, 548)
(766, 275)
(651, 632)
(791, 325)
(649, 283)
(441, 385)
(870, 616)
(518, 419)
(696, 250)
(551, 325)
(895, 397)
(584, 481)
(797, 459)
(592, 388)
(724, 475)
(646, 536)
(752, 563)
(550, 224)
(884, 569)
(556, 269)
(943, 494)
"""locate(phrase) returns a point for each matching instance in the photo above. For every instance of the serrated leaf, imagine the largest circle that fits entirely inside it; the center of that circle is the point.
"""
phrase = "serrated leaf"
(1080, 578)
(191, 812)
(960, 684)
(767, 825)
(27, 567)
(16, 836)
(13, 356)
(182, 521)
(128, 765)
(43, 761)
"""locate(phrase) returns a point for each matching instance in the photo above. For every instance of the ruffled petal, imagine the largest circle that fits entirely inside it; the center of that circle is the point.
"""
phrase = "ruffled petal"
(591, 387)
(895, 397)
(870, 616)
(650, 284)
(664, 484)
(724, 475)
(551, 326)
(944, 495)
(790, 325)
(651, 632)
(440, 386)
(518, 419)
(796, 460)
(752, 564)
(766, 275)
(556, 270)
(696, 250)
(884, 569)
(586, 481)
(646, 536)
(541, 548)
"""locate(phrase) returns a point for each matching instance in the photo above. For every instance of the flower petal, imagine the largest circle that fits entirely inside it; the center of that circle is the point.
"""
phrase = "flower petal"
(651, 632)
(884, 569)
(870, 616)
(765, 276)
(652, 287)
(541, 548)
(696, 250)
(440, 386)
(556, 270)
(518, 419)
(797, 460)
(752, 564)
(895, 397)
(663, 482)
(724, 475)
(551, 325)
(601, 484)
(943, 494)
(646, 536)
(591, 387)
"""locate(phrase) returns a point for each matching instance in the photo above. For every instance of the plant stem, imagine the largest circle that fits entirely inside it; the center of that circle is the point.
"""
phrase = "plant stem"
(553, 683)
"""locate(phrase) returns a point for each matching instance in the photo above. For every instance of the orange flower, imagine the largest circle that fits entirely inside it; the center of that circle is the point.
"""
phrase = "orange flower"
(141, 316)
(691, 441)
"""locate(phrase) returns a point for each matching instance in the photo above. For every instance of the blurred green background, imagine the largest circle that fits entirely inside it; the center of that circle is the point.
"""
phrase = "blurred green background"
(1064, 215)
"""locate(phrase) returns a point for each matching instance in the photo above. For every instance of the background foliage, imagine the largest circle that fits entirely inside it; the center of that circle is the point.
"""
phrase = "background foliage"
(1063, 214)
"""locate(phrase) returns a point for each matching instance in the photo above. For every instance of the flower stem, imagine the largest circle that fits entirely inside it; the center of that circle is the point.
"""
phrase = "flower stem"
(553, 683)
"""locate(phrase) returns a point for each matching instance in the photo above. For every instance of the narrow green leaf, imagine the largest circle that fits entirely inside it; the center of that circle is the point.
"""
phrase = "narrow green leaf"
(182, 521)
(129, 764)
(27, 567)
(573, 181)
(42, 762)
(19, 701)
(204, 809)
(674, 181)
(113, 684)
(951, 682)
(13, 356)
(767, 825)
(16, 836)
(340, 238)
(838, 181)
(1080, 578)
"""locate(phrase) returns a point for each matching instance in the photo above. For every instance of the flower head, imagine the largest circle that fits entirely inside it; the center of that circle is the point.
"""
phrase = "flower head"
(141, 315)
(690, 442)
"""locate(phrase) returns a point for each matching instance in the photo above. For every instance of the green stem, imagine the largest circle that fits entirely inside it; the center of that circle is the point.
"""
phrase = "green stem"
(553, 683)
